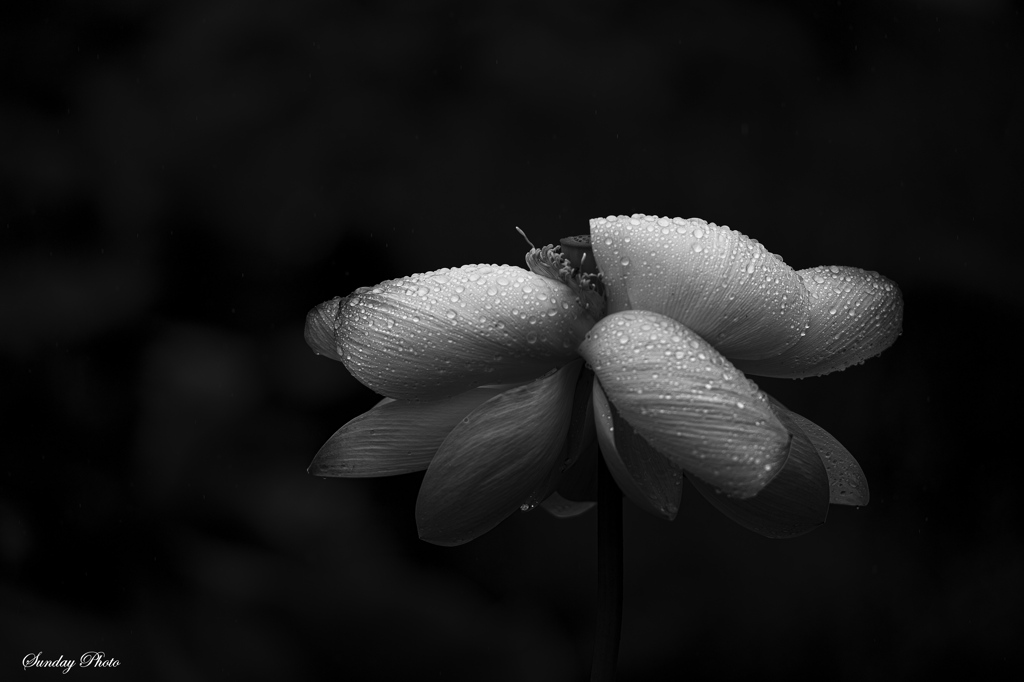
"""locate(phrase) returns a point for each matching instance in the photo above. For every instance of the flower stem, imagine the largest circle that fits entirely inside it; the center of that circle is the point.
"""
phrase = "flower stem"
(609, 576)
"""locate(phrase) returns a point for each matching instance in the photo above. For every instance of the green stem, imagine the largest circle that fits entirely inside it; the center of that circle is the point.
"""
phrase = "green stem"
(609, 576)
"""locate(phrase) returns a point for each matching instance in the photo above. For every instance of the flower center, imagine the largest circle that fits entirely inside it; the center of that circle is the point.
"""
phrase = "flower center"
(579, 252)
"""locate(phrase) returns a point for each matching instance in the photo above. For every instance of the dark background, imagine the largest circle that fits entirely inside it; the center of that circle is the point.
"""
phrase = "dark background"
(181, 182)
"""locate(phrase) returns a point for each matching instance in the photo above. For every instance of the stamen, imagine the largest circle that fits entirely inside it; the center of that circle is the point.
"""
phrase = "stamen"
(523, 234)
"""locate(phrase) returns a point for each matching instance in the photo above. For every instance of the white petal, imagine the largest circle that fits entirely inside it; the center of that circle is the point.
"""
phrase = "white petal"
(855, 314)
(395, 437)
(846, 480)
(497, 459)
(687, 401)
(643, 474)
(437, 334)
(718, 282)
(793, 503)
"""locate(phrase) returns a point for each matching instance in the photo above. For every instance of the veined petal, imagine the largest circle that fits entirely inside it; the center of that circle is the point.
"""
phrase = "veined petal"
(497, 460)
(687, 401)
(319, 332)
(438, 334)
(396, 436)
(847, 483)
(718, 282)
(793, 503)
(643, 474)
(855, 314)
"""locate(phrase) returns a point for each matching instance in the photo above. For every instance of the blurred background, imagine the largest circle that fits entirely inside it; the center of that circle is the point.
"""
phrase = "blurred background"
(181, 182)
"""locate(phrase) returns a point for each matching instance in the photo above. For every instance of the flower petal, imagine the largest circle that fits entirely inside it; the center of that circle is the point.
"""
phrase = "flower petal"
(396, 436)
(438, 334)
(558, 506)
(642, 473)
(855, 314)
(793, 503)
(718, 282)
(319, 332)
(687, 401)
(497, 460)
(846, 480)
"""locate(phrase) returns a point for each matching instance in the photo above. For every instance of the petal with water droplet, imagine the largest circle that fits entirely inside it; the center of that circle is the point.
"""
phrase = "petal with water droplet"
(437, 334)
(319, 332)
(855, 314)
(642, 473)
(846, 480)
(793, 503)
(685, 399)
(718, 282)
(395, 437)
(497, 459)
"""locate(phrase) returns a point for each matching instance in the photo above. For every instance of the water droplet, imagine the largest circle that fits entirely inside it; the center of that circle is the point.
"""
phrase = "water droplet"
(531, 337)
(624, 261)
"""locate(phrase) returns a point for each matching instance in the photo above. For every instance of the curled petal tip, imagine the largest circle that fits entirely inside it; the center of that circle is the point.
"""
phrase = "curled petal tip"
(436, 334)
(319, 331)
(725, 286)
(794, 502)
(855, 314)
(687, 401)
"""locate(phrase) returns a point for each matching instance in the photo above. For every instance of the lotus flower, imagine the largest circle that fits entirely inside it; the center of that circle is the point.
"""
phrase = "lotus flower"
(488, 373)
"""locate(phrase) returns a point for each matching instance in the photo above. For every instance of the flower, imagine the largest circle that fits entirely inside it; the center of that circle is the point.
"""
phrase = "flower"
(489, 376)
